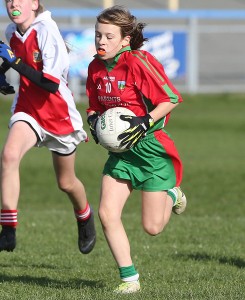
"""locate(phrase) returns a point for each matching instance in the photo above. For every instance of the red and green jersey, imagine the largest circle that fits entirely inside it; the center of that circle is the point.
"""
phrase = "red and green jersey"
(136, 80)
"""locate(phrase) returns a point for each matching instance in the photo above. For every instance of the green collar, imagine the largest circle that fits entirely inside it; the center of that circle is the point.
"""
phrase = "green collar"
(112, 65)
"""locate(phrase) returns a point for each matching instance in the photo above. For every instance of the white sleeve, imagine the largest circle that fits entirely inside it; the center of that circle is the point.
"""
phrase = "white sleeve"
(54, 53)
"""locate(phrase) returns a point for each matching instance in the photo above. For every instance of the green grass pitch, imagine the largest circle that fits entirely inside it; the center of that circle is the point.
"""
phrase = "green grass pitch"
(199, 256)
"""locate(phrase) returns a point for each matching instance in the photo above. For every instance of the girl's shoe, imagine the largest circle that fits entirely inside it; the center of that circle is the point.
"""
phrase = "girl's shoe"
(181, 202)
(128, 287)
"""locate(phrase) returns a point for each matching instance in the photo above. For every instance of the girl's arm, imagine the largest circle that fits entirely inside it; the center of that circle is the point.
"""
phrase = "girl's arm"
(35, 76)
(162, 109)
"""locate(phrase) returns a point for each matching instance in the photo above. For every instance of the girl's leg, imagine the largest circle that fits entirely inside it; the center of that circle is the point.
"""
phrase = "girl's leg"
(156, 211)
(114, 194)
(64, 167)
(20, 139)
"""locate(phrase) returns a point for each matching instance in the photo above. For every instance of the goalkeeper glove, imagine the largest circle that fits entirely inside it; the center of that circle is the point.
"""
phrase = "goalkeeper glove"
(6, 53)
(5, 88)
(137, 129)
(92, 121)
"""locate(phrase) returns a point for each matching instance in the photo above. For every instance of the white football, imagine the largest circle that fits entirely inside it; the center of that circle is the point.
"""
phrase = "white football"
(109, 126)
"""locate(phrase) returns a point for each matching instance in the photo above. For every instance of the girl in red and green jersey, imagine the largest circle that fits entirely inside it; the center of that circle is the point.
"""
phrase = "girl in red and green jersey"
(123, 75)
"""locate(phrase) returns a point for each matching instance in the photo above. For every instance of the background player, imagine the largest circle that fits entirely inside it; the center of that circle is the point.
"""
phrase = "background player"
(44, 114)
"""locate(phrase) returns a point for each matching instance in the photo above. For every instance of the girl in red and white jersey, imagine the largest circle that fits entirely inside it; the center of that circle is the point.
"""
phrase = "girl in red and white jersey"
(123, 75)
(44, 114)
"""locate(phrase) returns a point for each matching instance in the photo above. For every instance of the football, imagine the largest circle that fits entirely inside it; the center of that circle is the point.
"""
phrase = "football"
(109, 126)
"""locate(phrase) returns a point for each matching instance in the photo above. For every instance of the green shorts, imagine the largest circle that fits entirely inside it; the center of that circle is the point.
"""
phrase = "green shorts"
(153, 164)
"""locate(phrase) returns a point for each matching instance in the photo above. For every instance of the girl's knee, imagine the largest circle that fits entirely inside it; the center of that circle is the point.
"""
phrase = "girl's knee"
(10, 157)
(108, 218)
(103, 216)
(65, 185)
(153, 228)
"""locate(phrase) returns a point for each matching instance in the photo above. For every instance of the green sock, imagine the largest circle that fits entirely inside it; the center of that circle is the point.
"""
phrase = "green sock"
(126, 272)
(173, 195)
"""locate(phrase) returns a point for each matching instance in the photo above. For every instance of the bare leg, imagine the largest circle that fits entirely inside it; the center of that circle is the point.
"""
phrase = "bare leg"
(67, 180)
(156, 211)
(114, 194)
(20, 139)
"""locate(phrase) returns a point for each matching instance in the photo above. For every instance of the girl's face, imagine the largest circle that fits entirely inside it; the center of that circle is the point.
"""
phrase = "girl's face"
(22, 12)
(108, 40)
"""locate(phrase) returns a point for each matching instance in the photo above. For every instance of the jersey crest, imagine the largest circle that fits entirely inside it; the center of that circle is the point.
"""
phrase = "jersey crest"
(37, 57)
(121, 85)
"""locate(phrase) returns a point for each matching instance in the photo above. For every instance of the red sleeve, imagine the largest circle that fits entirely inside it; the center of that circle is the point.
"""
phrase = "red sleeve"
(151, 79)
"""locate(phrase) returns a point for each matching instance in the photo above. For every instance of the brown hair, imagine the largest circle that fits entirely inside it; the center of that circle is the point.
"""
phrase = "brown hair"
(40, 9)
(119, 16)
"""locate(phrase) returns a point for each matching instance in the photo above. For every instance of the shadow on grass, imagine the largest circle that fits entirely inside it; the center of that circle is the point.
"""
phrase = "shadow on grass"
(233, 261)
(52, 283)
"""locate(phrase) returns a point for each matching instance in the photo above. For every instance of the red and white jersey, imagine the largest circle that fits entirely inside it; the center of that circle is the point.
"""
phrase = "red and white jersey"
(135, 80)
(43, 48)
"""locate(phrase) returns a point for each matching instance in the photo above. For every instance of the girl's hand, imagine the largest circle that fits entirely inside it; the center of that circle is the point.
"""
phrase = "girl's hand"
(137, 130)
(6, 53)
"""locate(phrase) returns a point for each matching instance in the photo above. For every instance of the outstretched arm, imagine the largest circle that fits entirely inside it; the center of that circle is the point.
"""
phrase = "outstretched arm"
(33, 75)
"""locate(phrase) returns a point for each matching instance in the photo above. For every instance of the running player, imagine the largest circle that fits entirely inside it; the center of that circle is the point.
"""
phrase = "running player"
(44, 114)
(123, 75)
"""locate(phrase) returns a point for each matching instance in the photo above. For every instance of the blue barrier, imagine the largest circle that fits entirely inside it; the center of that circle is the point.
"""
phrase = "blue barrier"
(169, 47)
(149, 13)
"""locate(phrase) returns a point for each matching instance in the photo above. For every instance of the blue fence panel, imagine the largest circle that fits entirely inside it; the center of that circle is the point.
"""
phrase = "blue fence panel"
(169, 47)
(82, 50)
(148, 13)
